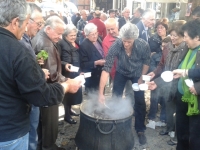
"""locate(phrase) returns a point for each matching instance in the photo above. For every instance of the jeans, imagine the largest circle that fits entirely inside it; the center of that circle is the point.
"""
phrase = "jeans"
(34, 120)
(17, 144)
(155, 99)
(140, 105)
(188, 133)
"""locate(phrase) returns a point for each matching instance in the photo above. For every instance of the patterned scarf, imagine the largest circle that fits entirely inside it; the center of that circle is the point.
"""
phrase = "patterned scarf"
(188, 97)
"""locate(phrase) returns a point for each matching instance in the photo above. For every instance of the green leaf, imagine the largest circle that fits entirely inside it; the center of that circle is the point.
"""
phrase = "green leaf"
(42, 55)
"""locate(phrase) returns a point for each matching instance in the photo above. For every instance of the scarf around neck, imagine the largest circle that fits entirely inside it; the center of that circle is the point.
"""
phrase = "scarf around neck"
(188, 97)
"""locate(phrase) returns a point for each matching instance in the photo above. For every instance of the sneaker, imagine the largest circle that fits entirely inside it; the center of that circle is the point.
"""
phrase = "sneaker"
(151, 124)
(160, 124)
(171, 134)
(142, 138)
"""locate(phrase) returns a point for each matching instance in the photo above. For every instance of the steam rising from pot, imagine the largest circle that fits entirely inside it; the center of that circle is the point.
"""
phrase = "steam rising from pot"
(117, 108)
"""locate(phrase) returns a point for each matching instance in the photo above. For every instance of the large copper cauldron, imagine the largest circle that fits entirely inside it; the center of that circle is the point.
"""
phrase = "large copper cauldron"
(96, 133)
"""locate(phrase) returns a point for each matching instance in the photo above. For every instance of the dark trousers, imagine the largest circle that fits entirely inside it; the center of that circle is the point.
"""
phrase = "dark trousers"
(188, 128)
(156, 97)
(48, 128)
(170, 106)
(140, 105)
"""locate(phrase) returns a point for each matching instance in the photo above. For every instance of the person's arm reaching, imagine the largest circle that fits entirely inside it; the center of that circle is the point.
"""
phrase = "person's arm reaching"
(103, 81)
(144, 71)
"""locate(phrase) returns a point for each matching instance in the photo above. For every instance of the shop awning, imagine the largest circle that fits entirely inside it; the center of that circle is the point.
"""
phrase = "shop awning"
(168, 1)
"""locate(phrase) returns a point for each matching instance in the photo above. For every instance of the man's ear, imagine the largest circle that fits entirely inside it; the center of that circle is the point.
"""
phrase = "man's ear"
(15, 23)
(48, 28)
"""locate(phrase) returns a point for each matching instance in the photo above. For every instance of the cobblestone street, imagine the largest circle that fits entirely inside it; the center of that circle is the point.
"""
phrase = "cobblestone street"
(67, 133)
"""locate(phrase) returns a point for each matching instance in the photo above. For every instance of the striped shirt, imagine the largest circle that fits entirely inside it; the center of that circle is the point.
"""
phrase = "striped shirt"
(129, 66)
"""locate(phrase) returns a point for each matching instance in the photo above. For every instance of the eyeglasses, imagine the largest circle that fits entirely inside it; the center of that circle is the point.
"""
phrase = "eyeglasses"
(39, 24)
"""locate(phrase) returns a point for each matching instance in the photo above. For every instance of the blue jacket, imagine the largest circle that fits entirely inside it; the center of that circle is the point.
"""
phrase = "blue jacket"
(142, 33)
(122, 22)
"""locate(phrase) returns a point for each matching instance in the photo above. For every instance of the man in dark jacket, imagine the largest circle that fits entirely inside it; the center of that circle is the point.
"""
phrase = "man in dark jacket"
(123, 20)
(147, 22)
(137, 15)
(47, 39)
(22, 80)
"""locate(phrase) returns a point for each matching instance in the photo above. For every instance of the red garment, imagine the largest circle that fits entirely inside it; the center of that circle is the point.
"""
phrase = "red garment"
(101, 28)
(76, 45)
(106, 44)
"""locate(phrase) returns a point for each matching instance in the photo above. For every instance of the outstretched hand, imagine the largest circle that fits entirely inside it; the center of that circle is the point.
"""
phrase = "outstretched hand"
(152, 85)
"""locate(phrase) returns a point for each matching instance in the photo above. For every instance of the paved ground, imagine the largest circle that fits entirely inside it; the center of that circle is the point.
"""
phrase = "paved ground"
(67, 134)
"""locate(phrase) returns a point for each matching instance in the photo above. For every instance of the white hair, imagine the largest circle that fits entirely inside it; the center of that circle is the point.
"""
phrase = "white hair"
(53, 22)
(90, 27)
(10, 9)
(111, 21)
(129, 31)
(125, 9)
(69, 28)
(148, 12)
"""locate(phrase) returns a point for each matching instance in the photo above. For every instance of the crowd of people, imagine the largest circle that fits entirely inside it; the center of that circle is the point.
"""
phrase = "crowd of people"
(112, 47)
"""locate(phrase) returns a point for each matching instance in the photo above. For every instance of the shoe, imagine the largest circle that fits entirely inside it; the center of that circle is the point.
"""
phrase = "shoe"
(71, 121)
(171, 142)
(171, 134)
(73, 113)
(142, 138)
(160, 124)
(163, 132)
(151, 124)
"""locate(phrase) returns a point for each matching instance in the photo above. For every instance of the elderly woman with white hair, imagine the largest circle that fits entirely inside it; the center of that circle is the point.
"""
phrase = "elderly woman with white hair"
(70, 57)
(91, 54)
(133, 55)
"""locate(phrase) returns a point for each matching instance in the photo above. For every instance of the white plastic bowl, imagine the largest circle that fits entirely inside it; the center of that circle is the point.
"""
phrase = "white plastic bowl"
(167, 76)
(143, 87)
(135, 87)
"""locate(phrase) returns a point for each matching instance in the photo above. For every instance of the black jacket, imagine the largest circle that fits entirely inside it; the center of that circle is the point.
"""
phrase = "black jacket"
(70, 55)
(22, 83)
(89, 54)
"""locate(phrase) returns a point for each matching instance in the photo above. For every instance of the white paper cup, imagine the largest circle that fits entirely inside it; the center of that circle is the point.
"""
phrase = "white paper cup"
(189, 82)
(135, 87)
(74, 68)
(87, 74)
(143, 87)
(167, 76)
(146, 77)
(81, 78)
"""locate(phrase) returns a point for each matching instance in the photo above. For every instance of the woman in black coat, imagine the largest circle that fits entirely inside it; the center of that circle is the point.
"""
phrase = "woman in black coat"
(70, 57)
(155, 43)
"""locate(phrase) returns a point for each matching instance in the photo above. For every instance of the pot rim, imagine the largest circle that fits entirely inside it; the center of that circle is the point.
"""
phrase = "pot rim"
(93, 118)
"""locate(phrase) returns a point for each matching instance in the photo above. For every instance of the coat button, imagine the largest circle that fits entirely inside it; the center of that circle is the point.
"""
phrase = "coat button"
(197, 64)
(182, 49)
(179, 59)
